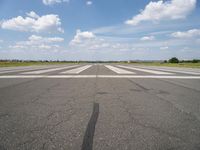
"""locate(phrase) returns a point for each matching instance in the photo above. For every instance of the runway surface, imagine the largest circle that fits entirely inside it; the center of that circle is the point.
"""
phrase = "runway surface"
(99, 107)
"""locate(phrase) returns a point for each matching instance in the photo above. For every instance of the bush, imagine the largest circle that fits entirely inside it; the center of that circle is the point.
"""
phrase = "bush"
(195, 61)
(165, 61)
(173, 60)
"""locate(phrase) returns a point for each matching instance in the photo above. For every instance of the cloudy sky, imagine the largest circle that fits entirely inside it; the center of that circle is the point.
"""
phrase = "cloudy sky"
(99, 29)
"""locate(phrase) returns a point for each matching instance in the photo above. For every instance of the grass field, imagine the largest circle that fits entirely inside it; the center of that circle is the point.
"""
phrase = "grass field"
(15, 64)
(187, 65)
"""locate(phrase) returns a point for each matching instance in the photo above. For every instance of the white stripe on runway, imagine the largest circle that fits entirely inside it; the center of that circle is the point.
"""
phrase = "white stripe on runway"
(118, 70)
(20, 70)
(76, 70)
(96, 76)
(176, 71)
(146, 70)
(49, 70)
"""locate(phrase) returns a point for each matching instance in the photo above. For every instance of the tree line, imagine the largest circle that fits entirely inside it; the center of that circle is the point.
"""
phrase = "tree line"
(171, 60)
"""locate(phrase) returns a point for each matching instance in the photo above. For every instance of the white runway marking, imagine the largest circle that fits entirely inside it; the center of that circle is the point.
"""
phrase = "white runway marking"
(118, 70)
(19, 70)
(48, 70)
(176, 71)
(77, 70)
(146, 70)
(97, 76)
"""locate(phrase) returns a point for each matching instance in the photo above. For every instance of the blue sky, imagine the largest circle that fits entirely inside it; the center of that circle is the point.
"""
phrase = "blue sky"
(99, 29)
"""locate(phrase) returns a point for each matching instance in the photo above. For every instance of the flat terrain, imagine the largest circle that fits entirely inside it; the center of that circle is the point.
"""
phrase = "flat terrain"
(99, 107)
(17, 64)
(185, 65)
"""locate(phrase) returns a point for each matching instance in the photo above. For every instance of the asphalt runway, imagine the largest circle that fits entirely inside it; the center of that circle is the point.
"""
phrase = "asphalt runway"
(99, 107)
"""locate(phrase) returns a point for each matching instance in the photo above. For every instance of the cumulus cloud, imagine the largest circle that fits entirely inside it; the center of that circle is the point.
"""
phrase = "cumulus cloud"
(52, 2)
(160, 10)
(187, 34)
(38, 42)
(89, 41)
(82, 37)
(40, 39)
(32, 14)
(89, 3)
(147, 38)
(33, 23)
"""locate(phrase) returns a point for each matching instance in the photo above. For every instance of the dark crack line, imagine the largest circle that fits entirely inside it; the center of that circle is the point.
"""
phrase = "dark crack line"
(18, 84)
(89, 133)
(167, 101)
(159, 130)
(179, 84)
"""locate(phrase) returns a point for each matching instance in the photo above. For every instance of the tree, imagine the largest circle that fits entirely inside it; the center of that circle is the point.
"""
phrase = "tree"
(173, 60)
(195, 61)
(165, 61)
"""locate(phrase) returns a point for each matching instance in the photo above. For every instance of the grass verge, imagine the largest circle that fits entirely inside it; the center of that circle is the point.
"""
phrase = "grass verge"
(15, 64)
(186, 65)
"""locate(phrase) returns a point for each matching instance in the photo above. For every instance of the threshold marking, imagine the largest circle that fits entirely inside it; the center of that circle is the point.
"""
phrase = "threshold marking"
(19, 70)
(176, 71)
(146, 70)
(77, 70)
(49, 70)
(118, 70)
(97, 76)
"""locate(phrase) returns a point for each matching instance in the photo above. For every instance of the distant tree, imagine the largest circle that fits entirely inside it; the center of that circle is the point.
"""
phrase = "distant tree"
(173, 60)
(165, 61)
(195, 61)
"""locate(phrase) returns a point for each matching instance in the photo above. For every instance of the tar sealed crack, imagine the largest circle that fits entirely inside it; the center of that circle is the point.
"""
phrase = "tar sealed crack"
(89, 133)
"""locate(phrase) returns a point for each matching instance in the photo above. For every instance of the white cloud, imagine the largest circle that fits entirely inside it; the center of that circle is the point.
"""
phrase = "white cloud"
(38, 42)
(187, 34)
(17, 46)
(160, 10)
(32, 14)
(44, 46)
(89, 3)
(89, 41)
(147, 38)
(1, 41)
(164, 48)
(33, 23)
(40, 39)
(51, 2)
(81, 37)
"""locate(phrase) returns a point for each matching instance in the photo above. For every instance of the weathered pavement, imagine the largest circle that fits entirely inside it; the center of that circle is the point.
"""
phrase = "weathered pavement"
(108, 113)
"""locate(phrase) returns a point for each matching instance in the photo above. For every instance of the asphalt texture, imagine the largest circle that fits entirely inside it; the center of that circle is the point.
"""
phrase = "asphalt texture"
(99, 113)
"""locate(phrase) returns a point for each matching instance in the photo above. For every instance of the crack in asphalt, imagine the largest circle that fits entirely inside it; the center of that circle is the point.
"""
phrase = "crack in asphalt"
(137, 122)
(89, 133)
(159, 129)
(163, 99)
(90, 130)
(18, 84)
(179, 84)
(47, 90)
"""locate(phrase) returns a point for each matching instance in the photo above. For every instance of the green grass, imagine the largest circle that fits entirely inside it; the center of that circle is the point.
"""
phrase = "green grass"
(187, 65)
(15, 64)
